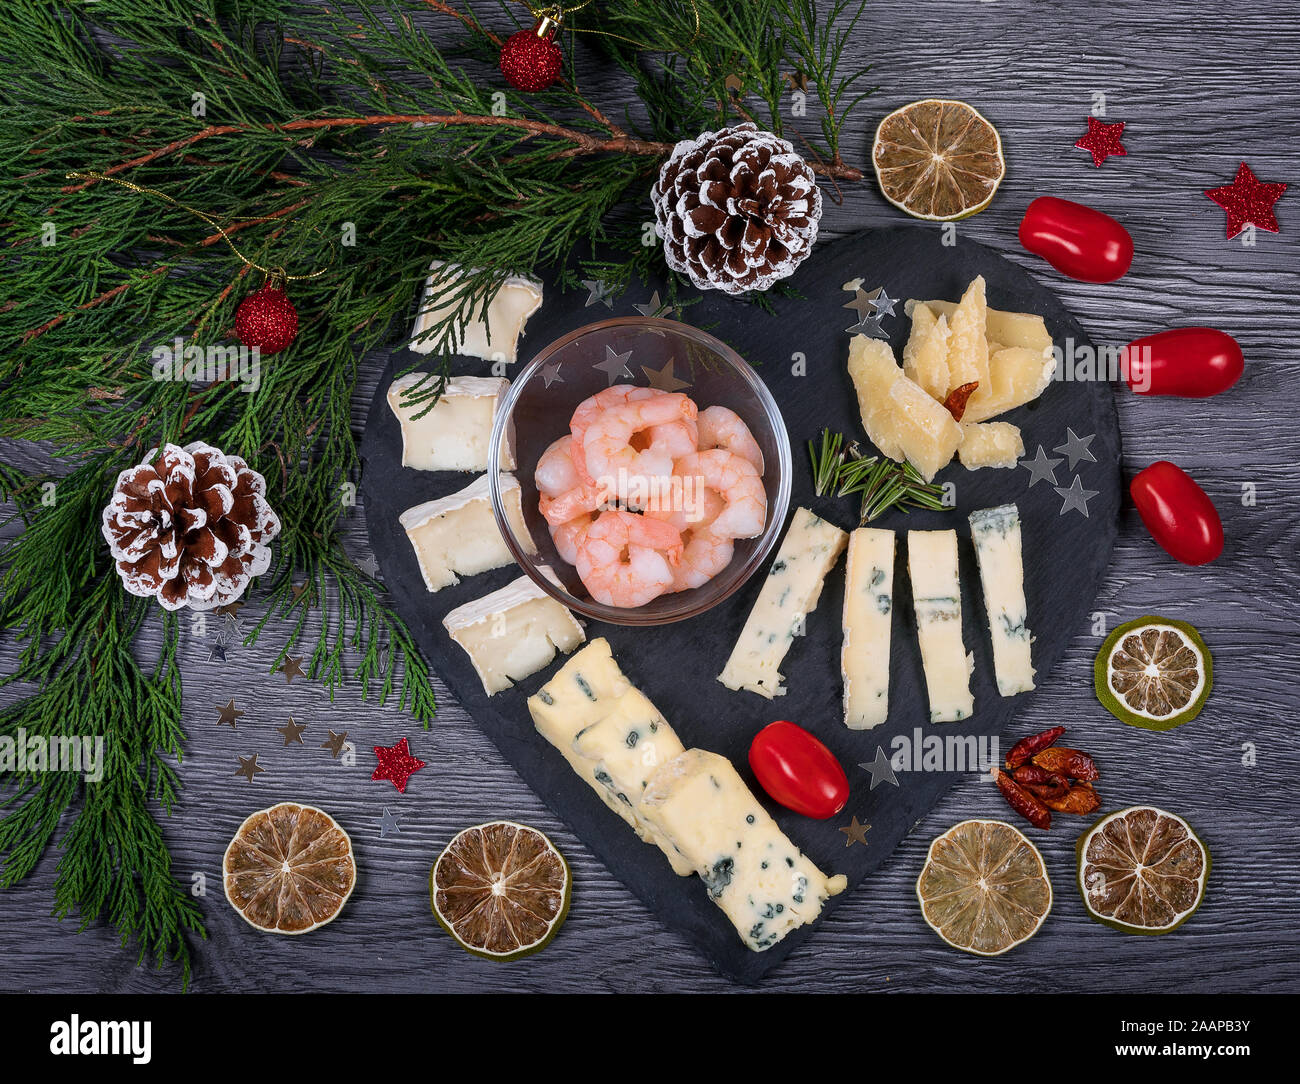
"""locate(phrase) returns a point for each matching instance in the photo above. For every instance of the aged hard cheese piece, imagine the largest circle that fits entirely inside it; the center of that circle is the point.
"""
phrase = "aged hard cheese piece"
(899, 417)
(458, 535)
(790, 592)
(455, 432)
(1017, 375)
(513, 632)
(1008, 328)
(968, 347)
(936, 596)
(925, 357)
(996, 535)
(868, 615)
(492, 335)
(590, 712)
(990, 444)
(761, 880)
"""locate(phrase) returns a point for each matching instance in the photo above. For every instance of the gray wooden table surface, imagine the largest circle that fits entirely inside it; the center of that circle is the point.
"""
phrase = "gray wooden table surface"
(1201, 88)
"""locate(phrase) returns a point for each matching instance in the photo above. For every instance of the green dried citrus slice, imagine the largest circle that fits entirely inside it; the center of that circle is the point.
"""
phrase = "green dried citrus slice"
(984, 888)
(289, 869)
(938, 159)
(1142, 870)
(1154, 672)
(501, 889)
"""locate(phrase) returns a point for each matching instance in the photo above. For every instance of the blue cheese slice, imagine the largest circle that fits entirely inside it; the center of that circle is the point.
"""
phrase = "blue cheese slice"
(493, 333)
(512, 633)
(455, 433)
(867, 621)
(761, 880)
(789, 593)
(458, 535)
(936, 595)
(613, 737)
(996, 534)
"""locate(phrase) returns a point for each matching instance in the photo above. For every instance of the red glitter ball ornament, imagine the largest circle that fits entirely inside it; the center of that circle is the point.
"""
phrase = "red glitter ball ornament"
(1248, 200)
(267, 320)
(530, 59)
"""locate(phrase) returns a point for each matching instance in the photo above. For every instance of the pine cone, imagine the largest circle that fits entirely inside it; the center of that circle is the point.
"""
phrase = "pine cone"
(737, 209)
(190, 527)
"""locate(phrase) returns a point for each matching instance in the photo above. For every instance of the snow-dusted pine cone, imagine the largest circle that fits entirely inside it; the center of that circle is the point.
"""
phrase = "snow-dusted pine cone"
(737, 209)
(190, 527)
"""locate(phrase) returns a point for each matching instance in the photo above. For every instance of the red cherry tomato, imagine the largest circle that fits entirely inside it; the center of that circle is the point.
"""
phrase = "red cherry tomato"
(1178, 513)
(798, 771)
(1191, 362)
(1076, 240)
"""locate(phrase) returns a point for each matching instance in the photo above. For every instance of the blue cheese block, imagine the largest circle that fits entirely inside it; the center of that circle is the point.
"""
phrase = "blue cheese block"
(996, 534)
(936, 598)
(867, 624)
(761, 880)
(789, 593)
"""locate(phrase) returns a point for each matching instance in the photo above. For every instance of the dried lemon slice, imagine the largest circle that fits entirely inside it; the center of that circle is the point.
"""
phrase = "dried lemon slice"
(1142, 870)
(501, 889)
(1154, 672)
(984, 888)
(289, 869)
(938, 159)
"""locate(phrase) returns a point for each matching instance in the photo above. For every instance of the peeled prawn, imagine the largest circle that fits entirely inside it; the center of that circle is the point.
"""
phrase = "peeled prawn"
(704, 555)
(591, 408)
(627, 560)
(737, 482)
(556, 472)
(568, 536)
(607, 447)
(720, 427)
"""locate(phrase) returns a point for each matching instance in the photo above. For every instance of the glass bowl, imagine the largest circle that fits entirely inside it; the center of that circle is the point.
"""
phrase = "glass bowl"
(663, 353)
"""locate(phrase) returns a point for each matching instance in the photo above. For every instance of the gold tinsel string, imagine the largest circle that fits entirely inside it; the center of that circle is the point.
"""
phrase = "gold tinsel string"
(274, 274)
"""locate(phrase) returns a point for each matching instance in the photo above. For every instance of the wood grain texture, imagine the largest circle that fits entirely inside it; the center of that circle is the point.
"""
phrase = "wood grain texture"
(1200, 91)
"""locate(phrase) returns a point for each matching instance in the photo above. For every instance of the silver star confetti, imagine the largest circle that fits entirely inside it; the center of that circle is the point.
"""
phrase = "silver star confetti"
(1042, 468)
(653, 307)
(1076, 497)
(598, 292)
(870, 327)
(388, 824)
(862, 304)
(369, 566)
(217, 653)
(1076, 448)
(883, 302)
(614, 366)
(551, 374)
(881, 770)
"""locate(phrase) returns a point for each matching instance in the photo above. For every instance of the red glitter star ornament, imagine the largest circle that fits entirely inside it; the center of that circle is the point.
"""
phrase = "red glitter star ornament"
(1102, 140)
(396, 764)
(1248, 200)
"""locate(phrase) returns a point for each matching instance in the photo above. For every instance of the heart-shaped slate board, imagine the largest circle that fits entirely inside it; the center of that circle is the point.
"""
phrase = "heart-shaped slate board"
(676, 665)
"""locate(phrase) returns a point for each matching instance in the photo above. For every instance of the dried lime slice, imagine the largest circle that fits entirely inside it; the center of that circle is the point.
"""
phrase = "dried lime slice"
(1142, 870)
(1155, 673)
(984, 888)
(501, 889)
(289, 869)
(938, 159)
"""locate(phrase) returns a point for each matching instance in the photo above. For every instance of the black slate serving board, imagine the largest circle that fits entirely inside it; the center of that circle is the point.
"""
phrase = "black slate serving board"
(676, 665)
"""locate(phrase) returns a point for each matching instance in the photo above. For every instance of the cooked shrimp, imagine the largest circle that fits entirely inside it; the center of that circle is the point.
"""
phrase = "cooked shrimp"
(572, 503)
(627, 560)
(556, 472)
(686, 506)
(568, 536)
(737, 481)
(720, 427)
(594, 406)
(675, 439)
(704, 555)
(607, 443)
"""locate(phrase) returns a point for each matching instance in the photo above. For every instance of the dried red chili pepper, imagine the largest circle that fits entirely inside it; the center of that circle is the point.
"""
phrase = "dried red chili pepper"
(1068, 762)
(956, 401)
(1041, 782)
(1023, 802)
(1081, 799)
(1027, 747)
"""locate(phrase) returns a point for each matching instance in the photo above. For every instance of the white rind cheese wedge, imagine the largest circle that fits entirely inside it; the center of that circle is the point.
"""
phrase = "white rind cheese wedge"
(761, 880)
(611, 734)
(996, 535)
(936, 596)
(868, 617)
(458, 535)
(790, 592)
(456, 431)
(512, 633)
(990, 444)
(492, 335)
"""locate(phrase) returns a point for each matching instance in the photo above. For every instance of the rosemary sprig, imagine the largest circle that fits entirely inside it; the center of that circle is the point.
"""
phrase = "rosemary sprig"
(883, 483)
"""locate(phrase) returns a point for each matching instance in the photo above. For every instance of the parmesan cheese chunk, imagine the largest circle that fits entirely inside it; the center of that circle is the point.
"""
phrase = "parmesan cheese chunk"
(455, 433)
(990, 444)
(458, 535)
